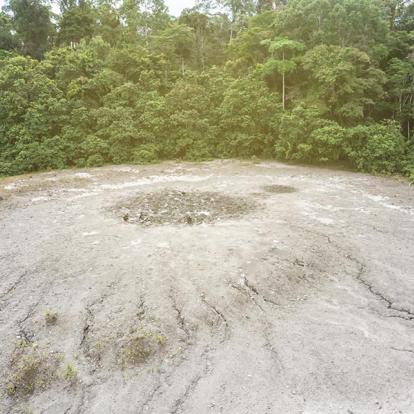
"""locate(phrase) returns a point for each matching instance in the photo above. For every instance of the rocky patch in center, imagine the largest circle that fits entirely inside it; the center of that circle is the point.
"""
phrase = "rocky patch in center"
(181, 207)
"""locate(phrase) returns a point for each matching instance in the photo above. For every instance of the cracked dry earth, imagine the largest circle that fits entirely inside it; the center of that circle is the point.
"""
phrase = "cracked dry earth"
(303, 304)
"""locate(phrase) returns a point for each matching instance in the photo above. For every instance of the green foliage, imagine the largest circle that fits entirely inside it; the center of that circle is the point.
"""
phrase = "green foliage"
(408, 166)
(30, 369)
(343, 81)
(248, 118)
(377, 148)
(69, 373)
(76, 22)
(51, 317)
(138, 346)
(188, 133)
(295, 130)
(31, 21)
(145, 154)
(311, 81)
(8, 41)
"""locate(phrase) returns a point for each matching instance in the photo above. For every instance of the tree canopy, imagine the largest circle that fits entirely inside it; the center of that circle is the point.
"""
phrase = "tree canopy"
(116, 82)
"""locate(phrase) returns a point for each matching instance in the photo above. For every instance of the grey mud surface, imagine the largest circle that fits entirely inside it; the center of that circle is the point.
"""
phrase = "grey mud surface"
(303, 305)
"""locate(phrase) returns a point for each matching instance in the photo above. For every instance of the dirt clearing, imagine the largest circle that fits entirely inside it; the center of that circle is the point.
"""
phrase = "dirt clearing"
(220, 287)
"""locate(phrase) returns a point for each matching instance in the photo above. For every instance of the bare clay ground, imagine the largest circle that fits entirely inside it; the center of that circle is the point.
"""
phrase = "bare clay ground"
(301, 303)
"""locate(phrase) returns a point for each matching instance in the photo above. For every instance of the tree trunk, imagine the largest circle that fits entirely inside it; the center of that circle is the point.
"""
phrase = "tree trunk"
(408, 120)
(393, 14)
(283, 83)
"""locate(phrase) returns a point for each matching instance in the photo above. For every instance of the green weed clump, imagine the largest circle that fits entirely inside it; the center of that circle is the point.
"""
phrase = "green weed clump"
(51, 317)
(138, 347)
(30, 370)
(69, 373)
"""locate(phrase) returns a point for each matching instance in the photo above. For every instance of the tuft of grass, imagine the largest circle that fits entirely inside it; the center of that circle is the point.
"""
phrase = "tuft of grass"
(94, 351)
(30, 369)
(138, 347)
(69, 373)
(51, 317)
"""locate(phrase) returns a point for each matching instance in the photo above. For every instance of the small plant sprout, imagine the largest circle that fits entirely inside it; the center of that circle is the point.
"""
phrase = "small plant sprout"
(69, 373)
(51, 317)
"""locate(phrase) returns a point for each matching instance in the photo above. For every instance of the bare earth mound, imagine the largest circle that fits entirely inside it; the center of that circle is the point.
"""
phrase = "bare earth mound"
(295, 295)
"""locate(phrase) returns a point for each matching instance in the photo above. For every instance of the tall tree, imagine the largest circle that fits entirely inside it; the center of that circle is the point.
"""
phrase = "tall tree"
(109, 25)
(401, 82)
(344, 81)
(199, 23)
(144, 17)
(264, 5)
(31, 20)
(176, 41)
(77, 21)
(283, 51)
(238, 10)
(8, 40)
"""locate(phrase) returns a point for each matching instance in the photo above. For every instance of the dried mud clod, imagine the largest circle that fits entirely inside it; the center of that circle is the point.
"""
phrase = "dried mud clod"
(279, 189)
(180, 207)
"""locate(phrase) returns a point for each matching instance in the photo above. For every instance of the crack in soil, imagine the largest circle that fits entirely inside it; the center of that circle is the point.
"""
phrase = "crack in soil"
(80, 407)
(86, 326)
(178, 405)
(14, 285)
(191, 387)
(24, 332)
(4, 296)
(149, 398)
(221, 316)
(141, 310)
(245, 286)
(90, 318)
(411, 351)
(162, 380)
(407, 314)
(180, 319)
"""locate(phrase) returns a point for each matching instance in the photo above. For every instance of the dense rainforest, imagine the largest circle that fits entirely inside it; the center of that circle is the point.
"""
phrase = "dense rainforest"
(86, 83)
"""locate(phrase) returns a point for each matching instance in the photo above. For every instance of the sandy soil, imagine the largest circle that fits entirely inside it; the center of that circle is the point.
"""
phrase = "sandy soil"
(302, 304)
